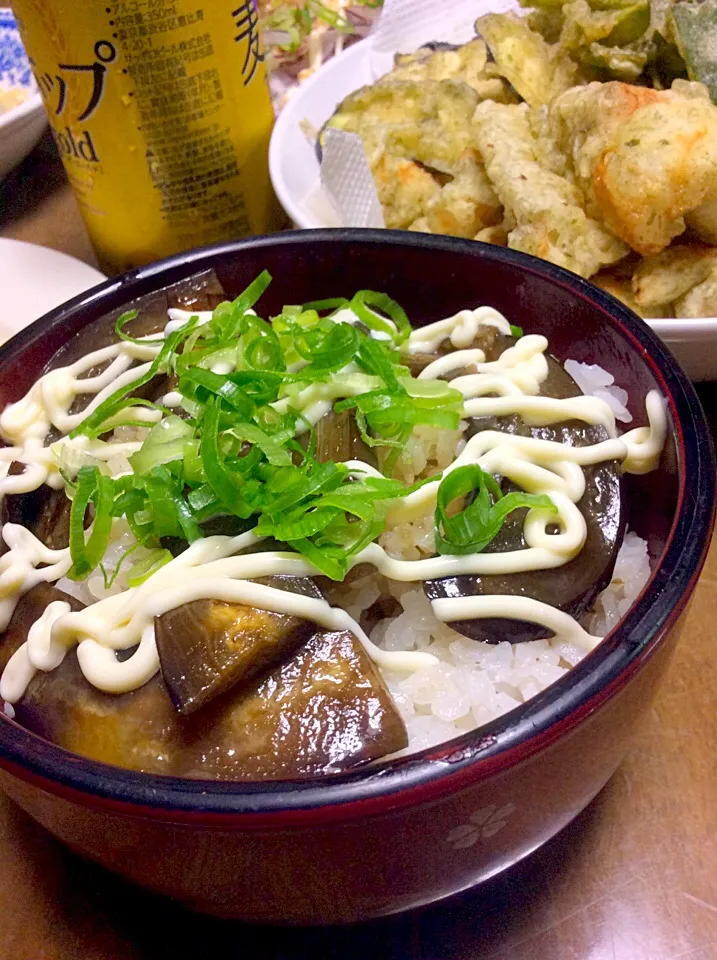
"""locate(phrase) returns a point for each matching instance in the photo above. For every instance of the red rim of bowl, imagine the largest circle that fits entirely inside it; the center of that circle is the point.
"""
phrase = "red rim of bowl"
(473, 756)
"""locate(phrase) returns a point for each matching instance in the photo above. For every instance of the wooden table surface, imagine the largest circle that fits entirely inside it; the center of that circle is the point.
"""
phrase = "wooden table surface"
(634, 878)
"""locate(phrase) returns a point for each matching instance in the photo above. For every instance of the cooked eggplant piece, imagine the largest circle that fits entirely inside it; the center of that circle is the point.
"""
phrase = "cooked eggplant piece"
(203, 292)
(486, 339)
(199, 293)
(46, 512)
(30, 608)
(574, 586)
(206, 647)
(338, 438)
(325, 710)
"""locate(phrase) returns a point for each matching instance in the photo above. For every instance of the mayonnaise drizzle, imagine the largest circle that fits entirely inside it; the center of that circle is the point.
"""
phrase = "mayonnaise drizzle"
(221, 569)
(461, 329)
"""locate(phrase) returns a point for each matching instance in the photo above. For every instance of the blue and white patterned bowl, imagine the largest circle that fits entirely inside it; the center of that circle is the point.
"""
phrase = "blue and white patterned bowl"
(15, 68)
(23, 125)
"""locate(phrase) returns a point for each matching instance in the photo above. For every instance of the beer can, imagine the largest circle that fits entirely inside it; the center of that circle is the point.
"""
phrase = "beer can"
(161, 112)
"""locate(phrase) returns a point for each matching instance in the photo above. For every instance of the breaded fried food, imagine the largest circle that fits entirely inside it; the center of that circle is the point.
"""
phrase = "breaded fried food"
(497, 235)
(536, 70)
(547, 209)
(701, 301)
(466, 204)
(585, 28)
(405, 189)
(620, 286)
(468, 63)
(443, 62)
(644, 158)
(672, 273)
(429, 122)
(703, 221)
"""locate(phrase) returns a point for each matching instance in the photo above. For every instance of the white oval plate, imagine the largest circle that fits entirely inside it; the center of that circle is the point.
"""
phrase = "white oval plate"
(294, 169)
(34, 280)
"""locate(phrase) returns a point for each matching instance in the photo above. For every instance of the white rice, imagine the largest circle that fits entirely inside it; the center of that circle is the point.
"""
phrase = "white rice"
(475, 682)
(596, 382)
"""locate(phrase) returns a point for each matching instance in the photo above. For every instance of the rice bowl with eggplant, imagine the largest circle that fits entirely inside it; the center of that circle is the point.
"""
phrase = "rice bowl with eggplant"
(239, 547)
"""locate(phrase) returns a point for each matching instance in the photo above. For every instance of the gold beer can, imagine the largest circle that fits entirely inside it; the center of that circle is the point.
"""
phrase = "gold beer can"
(161, 112)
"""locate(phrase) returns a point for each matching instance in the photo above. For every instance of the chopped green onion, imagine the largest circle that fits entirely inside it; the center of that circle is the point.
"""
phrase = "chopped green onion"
(237, 455)
(198, 384)
(365, 305)
(228, 485)
(143, 569)
(332, 304)
(92, 487)
(122, 321)
(474, 527)
(166, 442)
(269, 446)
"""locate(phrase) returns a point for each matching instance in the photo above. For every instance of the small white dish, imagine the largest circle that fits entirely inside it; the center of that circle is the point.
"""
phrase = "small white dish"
(294, 169)
(35, 280)
(23, 125)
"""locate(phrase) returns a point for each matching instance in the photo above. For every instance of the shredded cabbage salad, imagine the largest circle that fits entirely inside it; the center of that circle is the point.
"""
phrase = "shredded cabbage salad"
(301, 35)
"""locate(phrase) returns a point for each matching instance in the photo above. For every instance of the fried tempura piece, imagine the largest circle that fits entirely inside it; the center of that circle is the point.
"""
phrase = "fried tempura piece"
(468, 63)
(497, 235)
(465, 63)
(405, 189)
(441, 134)
(583, 26)
(644, 158)
(701, 301)
(550, 220)
(429, 121)
(536, 70)
(467, 203)
(703, 221)
(672, 273)
(612, 281)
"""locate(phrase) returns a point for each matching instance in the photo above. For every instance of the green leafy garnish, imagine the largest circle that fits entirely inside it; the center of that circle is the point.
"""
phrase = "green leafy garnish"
(474, 527)
(241, 446)
(92, 488)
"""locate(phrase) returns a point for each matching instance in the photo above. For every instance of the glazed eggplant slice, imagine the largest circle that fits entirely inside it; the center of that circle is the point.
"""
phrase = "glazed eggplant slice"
(573, 587)
(338, 438)
(487, 339)
(46, 512)
(202, 292)
(30, 608)
(324, 710)
(206, 647)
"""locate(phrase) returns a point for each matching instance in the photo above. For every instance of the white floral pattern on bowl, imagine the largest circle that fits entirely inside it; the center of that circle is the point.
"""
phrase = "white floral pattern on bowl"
(482, 825)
